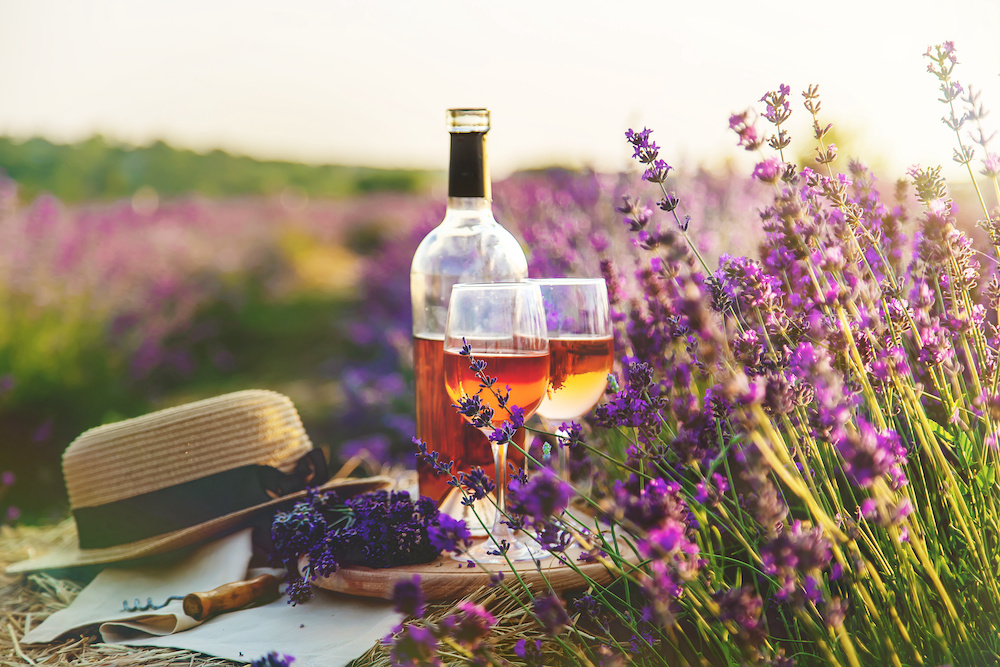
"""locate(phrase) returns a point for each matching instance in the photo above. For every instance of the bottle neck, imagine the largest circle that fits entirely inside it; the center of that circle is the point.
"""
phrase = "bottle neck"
(468, 170)
(472, 205)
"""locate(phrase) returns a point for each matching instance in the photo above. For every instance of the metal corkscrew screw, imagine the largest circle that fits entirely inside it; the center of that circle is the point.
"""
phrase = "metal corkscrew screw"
(148, 606)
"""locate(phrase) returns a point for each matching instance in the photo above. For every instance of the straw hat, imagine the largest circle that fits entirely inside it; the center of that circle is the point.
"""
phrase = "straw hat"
(172, 478)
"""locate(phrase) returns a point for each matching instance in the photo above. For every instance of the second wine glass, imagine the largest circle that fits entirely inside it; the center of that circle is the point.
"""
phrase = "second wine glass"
(581, 348)
(503, 325)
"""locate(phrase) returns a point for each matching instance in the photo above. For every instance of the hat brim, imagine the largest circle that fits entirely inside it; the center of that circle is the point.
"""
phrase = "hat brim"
(184, 537)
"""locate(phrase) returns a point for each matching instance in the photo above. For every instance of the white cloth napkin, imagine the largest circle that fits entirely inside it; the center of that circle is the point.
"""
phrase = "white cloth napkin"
(328, 631)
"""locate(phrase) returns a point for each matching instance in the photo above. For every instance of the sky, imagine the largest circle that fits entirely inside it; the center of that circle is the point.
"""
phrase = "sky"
(368, 82)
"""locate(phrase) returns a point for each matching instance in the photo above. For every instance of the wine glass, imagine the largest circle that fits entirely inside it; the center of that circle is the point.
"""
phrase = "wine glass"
(581, 348)
(502, 324)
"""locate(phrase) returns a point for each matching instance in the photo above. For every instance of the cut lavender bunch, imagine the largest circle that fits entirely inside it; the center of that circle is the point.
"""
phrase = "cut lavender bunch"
(379, 529)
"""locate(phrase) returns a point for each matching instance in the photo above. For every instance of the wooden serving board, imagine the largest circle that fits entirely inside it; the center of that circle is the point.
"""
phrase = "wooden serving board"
(449, 579)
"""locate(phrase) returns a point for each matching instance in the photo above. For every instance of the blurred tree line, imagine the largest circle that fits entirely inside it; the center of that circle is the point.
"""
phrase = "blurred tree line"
(100, 169)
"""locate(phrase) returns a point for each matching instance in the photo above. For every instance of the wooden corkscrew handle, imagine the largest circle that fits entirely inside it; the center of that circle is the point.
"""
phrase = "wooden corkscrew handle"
(228, 597)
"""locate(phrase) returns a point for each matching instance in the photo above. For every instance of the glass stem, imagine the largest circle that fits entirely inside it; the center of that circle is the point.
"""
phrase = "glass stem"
(561, 466)
(559, 455)
(501, 531)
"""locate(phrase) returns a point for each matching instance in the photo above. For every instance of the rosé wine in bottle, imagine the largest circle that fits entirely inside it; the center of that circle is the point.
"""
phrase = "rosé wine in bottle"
(468, 246)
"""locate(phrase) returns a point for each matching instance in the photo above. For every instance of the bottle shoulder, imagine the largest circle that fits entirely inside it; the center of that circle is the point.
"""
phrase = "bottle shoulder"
(458, 249)
(468, 246)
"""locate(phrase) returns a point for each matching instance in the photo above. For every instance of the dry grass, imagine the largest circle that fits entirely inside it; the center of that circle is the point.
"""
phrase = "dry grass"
(26, 600)
(514, 622)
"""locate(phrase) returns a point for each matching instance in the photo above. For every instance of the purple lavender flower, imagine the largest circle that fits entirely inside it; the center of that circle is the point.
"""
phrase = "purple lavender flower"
(748, 348)
(572, 434)
(742, 606)
(295, 532)
(650, 507)
(469, 624)
(795, 554)
(902, 509)
(811, 589)
(869, 455)
(273, 659)
(414, 646)
(434, 459)
(835, 612)
(551, 613)
(665, 539)
(868, 508)
(662, 587)
(769, 170)
(892, 362)
(449, 534)
(763, 500)
(778, 109)
(472, 407)
(657, 171)
(711, 492)
(408, 597)
(634, 406)
(504, 433)
(754, 289)
(477, 484)
(745, 130)
(542, 496)
(991, 165)
(674, 557)
(636, 216)
(551, 536)
(646, 151)
(639, 376)
(591, 610)
(530, 652)
(814, 366)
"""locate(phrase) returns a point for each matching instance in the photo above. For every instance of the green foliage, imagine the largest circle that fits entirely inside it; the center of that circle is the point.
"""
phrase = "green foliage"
(99, 169)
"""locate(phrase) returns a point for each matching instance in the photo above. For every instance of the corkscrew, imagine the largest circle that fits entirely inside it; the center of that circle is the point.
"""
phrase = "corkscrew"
(227, 597)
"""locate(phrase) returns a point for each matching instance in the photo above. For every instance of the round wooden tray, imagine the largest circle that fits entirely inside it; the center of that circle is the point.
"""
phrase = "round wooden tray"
(449, 579)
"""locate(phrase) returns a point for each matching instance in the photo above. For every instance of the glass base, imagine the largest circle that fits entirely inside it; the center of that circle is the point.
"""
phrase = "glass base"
(521, 549)
(485, 511)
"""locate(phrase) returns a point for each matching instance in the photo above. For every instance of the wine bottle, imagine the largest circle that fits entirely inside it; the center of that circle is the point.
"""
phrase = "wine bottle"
(468, 246)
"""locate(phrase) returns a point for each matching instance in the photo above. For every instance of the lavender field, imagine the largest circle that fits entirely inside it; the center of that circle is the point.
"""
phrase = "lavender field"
(113, 309)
